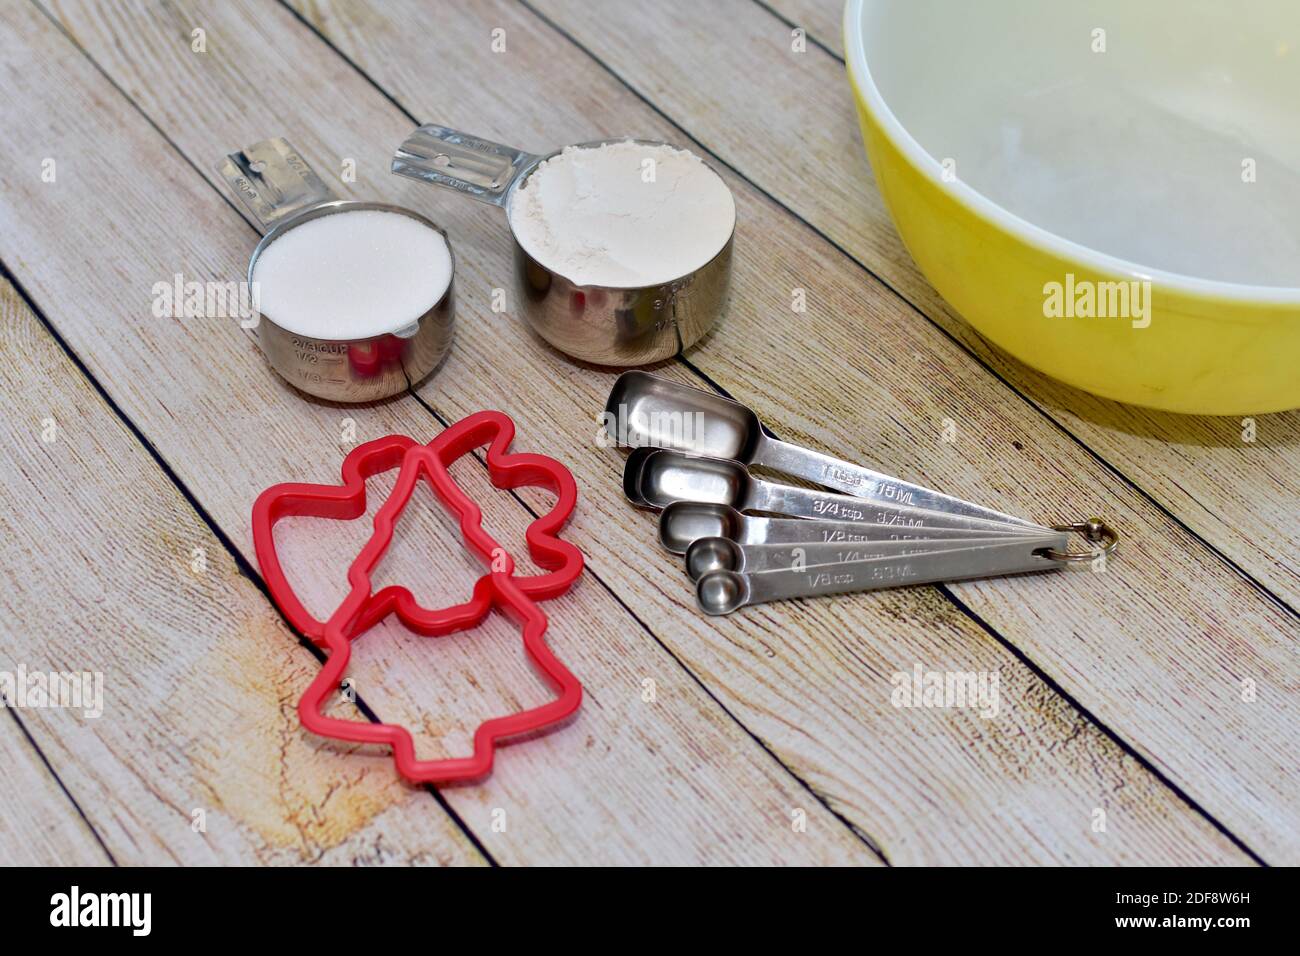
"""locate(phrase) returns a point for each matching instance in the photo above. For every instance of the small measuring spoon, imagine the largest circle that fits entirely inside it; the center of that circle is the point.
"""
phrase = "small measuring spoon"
(656, 477)
(723, 554)
(721, 592)
(646, 410)
(683, 522)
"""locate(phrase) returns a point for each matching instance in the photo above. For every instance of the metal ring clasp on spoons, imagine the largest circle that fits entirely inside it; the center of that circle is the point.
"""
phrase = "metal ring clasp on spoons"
(1095, 531)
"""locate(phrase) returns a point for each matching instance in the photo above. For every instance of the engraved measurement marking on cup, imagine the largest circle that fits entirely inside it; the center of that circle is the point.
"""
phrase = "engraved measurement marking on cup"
(303, 346)
(470, 189)
(246, 188)
(299, 165)
(478, 145)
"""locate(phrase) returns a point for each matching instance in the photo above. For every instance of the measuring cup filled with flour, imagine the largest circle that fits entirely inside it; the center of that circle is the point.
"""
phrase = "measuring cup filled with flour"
(354, 298)
(623, 246)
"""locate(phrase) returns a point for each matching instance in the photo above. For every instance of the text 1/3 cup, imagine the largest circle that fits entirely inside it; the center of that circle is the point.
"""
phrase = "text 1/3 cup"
(312, 328)
(618, 324)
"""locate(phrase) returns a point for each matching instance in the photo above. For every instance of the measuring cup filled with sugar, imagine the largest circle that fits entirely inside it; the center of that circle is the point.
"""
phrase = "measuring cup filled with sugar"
(622, 246)
(354, 299)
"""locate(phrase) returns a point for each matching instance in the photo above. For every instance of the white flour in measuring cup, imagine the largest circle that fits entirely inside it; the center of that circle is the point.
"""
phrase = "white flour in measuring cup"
(352, 275)
(623, 215)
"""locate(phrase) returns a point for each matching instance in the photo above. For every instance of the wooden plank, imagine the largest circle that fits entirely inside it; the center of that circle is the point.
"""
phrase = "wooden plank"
(1231, 481)
(677, 782)
(813, 682)
(39, 823)
(197, 671)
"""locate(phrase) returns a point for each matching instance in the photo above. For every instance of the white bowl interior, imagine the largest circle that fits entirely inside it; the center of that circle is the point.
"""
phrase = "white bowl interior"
(1141, 152)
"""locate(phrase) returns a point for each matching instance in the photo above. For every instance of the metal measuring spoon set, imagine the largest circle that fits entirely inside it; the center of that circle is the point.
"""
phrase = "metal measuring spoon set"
(691, 455)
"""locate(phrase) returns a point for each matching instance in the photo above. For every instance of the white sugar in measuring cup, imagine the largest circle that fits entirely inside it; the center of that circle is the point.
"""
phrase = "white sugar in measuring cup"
(602, 324)
(283, 193)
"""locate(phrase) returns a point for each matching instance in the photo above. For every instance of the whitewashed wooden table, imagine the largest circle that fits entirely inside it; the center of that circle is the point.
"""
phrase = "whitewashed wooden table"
(1147, 715)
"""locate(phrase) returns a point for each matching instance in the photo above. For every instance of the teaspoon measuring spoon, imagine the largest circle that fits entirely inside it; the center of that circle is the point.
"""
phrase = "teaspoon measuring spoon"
(646, 410)
(721, 592)
(683, 522)
(656, 477)
(723, 554)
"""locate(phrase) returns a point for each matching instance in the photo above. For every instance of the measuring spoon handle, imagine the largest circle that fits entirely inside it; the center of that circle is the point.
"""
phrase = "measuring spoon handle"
(799, 531)
(721, 592)
(862, 482)
(804, 503)
(778, 557)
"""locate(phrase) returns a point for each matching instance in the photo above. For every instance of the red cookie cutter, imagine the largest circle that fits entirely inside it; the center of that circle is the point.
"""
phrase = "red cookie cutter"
(348, 502)
(498, 588)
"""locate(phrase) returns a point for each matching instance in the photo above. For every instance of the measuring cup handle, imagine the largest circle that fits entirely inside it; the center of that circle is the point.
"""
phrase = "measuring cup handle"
(273, 181)
(479, 168)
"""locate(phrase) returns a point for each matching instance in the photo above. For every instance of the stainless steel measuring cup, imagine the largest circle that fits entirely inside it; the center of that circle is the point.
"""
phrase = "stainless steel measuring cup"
(282, 192)
(606, 325)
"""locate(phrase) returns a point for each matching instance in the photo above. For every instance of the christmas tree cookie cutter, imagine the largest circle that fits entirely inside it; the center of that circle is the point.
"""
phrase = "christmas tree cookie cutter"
(499, 588)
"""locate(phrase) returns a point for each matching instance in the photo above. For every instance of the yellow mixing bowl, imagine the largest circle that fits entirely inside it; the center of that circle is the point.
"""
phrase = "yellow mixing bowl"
(1107, 189)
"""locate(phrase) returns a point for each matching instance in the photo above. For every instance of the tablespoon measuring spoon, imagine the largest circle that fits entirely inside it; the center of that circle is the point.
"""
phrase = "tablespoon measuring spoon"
(656, 477)
(646, 410)
(723, 554)
(721, 592)
(684, 522)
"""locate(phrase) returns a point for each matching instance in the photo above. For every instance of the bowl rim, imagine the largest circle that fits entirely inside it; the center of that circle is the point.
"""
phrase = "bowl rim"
(1024, 230)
